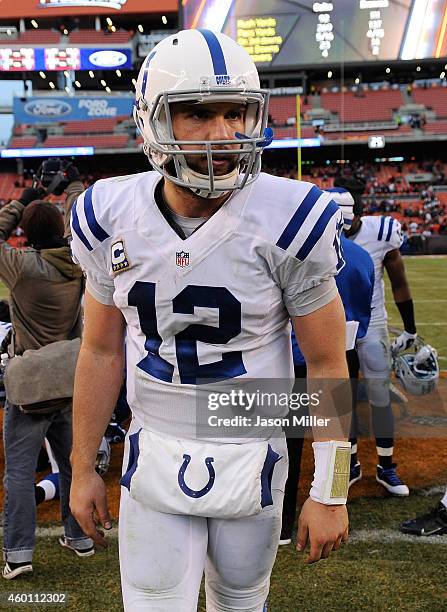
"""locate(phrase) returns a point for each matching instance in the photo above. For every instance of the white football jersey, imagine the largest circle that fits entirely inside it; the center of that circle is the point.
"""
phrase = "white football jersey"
(217, 304)
(378, 235)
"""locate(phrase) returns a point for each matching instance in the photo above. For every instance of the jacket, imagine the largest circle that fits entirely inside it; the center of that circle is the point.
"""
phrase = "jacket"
(45, 288)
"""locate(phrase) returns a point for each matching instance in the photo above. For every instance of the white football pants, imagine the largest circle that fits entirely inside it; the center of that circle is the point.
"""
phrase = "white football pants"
(375, 364)
(163, 556)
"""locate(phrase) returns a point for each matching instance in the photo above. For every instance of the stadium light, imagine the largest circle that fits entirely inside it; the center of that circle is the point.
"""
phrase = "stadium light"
(48, 152)
(164, 19)
(8, 32)
(43, 75)
(442, 75)
(78, 84)
(118, 72)
(108, 90)
(357, 81)
(329, 74)
(140, 28)
(134, 82)
(92, 74)
(103, 83)
(109, 21)
(418, 68)
(52, 85)
(113, 28)
(65, 32)
(34, 23)
(66, 73)
(387, 70)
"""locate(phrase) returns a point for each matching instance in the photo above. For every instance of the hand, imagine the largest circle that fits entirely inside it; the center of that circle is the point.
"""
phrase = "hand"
(326, 527)
(88, 504)
(403, 342)
(30, 194)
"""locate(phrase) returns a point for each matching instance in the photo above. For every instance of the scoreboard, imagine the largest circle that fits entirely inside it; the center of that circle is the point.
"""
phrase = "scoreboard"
(286, 33)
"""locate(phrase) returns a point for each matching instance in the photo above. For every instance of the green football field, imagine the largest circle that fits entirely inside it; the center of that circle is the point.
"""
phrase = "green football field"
(379, 570)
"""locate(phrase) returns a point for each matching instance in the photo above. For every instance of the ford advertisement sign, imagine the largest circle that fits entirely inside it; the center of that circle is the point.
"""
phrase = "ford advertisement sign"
(47, 108)
(108, 58)
(44, 110)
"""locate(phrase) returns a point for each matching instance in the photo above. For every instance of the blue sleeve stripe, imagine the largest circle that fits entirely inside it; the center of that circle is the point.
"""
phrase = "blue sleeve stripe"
(216, 51)
(390, 227)
(298, 218)
(77, 228)
(317, 230)
(93, 224)
(382, 225)
(337, 190)
(145, 74)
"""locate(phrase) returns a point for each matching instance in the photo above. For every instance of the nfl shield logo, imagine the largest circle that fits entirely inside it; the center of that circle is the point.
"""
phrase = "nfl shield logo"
(182, 259)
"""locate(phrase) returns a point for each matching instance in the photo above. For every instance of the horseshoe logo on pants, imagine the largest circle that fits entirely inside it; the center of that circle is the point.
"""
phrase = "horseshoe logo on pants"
(181, 478)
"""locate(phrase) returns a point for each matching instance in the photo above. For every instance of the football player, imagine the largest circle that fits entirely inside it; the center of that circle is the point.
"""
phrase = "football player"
(200, 264)
(381, 237)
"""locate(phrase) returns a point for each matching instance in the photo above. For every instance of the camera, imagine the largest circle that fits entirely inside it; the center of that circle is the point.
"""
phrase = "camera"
(52, 175)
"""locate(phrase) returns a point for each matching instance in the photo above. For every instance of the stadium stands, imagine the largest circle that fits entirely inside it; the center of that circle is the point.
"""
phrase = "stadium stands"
(283, 108)
(364, 106)
(38, 37)
(433, 98)
(94, 126)
(23, 142)
(100, 141)
(89, 37)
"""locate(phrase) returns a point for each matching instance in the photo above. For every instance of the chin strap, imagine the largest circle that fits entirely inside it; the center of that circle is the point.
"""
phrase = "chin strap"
(268, 138)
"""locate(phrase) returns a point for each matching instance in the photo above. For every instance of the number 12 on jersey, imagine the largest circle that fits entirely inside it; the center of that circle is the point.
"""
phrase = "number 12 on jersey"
(143, 297)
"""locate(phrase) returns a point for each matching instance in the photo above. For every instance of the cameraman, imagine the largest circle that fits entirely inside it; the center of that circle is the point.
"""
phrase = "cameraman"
(45, 291)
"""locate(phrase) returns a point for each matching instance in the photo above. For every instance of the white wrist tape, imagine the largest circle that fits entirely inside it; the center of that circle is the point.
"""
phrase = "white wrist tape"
(331, 477)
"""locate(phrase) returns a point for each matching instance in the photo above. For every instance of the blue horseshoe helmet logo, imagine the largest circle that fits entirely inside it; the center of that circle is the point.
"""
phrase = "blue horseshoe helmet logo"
(181, 478)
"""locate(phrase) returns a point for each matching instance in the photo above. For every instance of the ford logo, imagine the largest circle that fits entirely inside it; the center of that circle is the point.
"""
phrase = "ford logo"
(108, 59)
(47, 108)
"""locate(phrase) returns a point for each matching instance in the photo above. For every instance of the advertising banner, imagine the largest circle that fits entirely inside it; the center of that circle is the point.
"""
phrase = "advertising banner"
(40, 109)
(67, 58)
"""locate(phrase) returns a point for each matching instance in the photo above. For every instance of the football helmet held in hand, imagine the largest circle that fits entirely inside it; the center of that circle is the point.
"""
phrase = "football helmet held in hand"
(418, 370)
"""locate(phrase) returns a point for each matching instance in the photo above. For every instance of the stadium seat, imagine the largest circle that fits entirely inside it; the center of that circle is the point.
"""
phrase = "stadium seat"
(88, 37)
(364, 106)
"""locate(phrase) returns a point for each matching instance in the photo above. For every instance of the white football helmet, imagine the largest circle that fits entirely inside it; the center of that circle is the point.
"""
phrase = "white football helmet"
(201, 66)
(345, 201)
(418, 370)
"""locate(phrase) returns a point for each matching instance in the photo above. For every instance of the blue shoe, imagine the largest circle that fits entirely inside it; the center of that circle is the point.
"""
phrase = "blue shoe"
(389, 479)
(355, 473)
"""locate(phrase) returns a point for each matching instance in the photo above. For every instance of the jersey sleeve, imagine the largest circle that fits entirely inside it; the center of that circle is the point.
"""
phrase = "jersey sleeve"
(390, 234)
(313, 255)
(87, 247)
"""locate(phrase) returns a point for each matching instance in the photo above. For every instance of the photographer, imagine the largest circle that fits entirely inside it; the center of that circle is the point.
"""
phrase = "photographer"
(45, 292)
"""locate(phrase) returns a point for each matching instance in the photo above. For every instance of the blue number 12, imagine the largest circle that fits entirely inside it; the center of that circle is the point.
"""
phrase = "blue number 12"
(142, 296)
